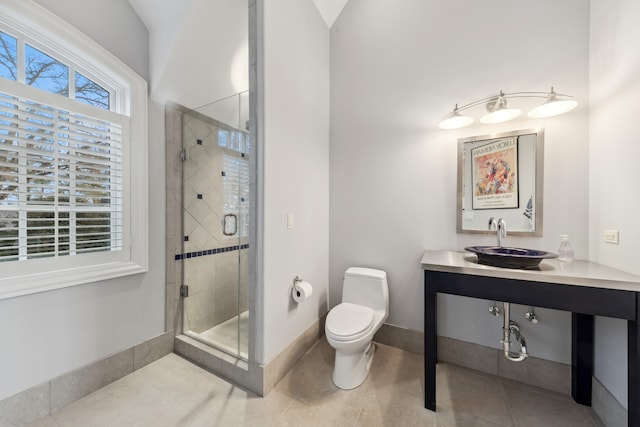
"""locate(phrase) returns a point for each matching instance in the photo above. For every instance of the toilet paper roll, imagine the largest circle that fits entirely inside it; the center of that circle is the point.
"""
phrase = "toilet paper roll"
(301, 291)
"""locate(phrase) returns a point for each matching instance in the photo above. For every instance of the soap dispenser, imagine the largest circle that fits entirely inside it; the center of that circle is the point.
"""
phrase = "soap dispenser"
(565, 251)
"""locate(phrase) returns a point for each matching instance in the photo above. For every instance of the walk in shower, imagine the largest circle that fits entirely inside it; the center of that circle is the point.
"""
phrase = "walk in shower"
(215, 158)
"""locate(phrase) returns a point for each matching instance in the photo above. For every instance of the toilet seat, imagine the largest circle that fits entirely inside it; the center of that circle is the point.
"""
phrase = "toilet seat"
(348, 322)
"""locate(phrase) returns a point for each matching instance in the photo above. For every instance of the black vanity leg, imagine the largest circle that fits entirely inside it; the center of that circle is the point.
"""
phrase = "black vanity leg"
(581, 357)
(633, 356)
(430, 350)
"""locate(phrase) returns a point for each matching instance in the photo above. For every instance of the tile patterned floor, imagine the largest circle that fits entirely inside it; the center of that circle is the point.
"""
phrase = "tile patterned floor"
(174, 392)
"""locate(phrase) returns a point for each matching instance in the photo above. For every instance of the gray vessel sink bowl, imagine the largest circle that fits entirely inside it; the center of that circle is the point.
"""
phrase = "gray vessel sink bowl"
(506, 257)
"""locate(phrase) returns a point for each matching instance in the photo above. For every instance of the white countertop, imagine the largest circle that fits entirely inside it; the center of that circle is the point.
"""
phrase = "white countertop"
(578, 272)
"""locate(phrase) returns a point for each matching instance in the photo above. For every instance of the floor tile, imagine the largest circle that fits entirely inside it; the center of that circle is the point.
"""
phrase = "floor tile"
(243, 408)
(449, 418)
(226, 333)
(311, 415)
(397, 369)
(173, 392)
(386, 406)
(315, 368)
(470, 392)
(532, 409)
(47, 421)
(311, 383)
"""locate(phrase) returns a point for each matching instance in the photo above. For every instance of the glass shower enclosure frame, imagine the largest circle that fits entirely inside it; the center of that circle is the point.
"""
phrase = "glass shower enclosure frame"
(215, 153)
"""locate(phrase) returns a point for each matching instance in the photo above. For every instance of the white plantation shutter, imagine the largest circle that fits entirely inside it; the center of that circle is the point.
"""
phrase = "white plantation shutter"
(61, 175)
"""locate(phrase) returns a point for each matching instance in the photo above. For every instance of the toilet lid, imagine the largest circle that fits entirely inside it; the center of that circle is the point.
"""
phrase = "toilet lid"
(349, 321)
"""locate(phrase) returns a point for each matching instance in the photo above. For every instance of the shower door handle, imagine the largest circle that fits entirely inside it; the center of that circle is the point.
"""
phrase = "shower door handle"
(228, 221)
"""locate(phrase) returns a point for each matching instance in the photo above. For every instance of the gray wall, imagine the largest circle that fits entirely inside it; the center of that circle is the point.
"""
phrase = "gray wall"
(50, 333)
(294, 89)
(396, 69)
(614, 173)
(114, 24)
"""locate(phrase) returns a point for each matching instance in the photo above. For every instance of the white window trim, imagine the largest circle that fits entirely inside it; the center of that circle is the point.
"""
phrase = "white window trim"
(37, 23)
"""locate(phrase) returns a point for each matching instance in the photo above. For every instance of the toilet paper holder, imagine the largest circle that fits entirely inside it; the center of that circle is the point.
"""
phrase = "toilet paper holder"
(301, 290)
(296, 280)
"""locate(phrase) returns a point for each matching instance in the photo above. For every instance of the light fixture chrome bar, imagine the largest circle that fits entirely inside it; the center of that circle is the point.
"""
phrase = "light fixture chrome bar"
(554, 104)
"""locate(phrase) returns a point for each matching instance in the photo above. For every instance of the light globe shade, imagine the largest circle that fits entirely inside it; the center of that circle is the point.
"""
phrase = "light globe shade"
(500, 115)
(553, 107)
(455, 121)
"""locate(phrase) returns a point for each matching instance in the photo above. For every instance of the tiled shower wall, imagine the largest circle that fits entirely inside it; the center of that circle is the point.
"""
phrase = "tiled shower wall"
(218, 287)
(215, 272)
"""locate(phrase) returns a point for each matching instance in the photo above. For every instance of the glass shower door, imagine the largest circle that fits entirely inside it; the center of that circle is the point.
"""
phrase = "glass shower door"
(216, 153)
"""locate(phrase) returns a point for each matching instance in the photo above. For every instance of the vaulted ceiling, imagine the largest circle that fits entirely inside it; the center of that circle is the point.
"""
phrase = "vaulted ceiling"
(157, 12)
(181, 31)
(330, 9)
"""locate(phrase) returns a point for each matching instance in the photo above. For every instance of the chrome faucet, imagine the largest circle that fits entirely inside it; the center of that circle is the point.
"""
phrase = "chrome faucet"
(493, 224)
(501, 228)
(502, 231)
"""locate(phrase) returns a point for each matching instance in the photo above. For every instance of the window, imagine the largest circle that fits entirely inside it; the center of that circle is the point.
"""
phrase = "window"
(236, 178)
(72, 122)
(236, 191)
(61, 180)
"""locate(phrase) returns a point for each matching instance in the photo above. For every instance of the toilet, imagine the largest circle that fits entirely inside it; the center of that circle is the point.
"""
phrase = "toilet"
(350, 325)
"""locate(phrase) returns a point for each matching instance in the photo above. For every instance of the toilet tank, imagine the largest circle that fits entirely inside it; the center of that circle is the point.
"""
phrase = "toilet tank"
(367, 287)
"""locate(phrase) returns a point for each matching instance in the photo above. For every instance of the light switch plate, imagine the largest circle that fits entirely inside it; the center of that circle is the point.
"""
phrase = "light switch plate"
(612, 236)
(290, 223)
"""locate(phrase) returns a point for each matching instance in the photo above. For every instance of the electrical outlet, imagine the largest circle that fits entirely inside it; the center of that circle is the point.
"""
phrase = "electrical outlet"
(612, 236)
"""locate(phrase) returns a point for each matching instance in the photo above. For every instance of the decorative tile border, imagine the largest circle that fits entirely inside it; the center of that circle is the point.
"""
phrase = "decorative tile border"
(195, 254)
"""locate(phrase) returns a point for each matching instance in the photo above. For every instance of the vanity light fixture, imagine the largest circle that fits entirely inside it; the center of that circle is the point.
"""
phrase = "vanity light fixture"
(553, 106)
(498, 111)
(455, 120)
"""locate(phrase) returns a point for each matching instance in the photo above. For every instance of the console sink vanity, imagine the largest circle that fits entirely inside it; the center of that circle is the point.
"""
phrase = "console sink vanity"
(584, 288)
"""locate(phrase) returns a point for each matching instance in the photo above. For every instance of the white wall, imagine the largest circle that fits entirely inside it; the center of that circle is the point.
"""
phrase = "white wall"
(192, 51)
(614, 172)
(199, 50)
(50, 333)
(101, 21)
(295, 169)
(396, 69)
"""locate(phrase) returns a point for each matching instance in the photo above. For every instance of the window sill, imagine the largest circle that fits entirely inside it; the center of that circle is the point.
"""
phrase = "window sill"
(12, 287)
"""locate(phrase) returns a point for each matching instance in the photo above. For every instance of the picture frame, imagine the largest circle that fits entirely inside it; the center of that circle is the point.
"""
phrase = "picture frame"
(495, 174)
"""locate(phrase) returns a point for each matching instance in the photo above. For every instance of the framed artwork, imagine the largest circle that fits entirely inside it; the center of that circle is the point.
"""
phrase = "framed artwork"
(495, 174)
